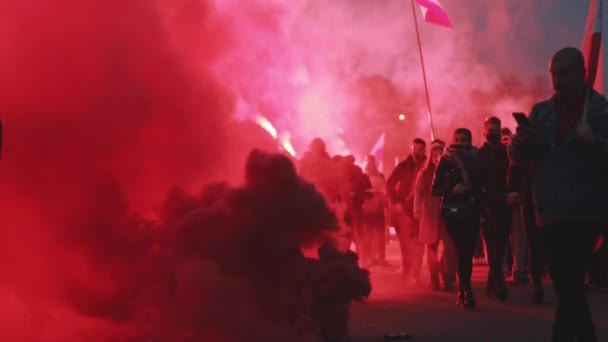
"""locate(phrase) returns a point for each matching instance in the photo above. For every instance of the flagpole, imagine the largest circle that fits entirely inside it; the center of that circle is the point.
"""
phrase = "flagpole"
(426, 87)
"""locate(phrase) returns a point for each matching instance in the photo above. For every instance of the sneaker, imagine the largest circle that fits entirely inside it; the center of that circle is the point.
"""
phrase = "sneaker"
(466, 299)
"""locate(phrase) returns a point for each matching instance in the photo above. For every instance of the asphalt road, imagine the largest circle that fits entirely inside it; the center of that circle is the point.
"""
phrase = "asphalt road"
(396, 306)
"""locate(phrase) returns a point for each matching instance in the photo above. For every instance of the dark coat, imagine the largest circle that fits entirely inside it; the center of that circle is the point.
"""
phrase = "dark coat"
(569, 181)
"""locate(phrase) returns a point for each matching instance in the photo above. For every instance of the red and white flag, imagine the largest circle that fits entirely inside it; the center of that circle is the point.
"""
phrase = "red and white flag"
(592, 45)
(433, 12)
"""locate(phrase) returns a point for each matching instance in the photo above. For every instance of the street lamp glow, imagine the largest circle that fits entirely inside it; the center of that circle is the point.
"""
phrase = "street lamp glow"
(401, 117)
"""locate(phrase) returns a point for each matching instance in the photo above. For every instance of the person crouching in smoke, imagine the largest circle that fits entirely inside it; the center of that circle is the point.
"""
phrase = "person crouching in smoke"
(286, 214)
(338, 281)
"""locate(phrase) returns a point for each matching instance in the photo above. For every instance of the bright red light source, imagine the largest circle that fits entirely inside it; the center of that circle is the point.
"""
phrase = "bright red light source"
(401, 117)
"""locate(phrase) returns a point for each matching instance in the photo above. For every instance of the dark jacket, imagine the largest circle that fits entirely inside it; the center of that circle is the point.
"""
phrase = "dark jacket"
(400, 184)
(494, 163)
(518, 180)
(360, 187)
(569, 181)
(448, 174)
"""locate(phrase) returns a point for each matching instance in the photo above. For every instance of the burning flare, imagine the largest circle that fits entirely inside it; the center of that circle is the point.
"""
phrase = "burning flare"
(267, 125)
(285, 139)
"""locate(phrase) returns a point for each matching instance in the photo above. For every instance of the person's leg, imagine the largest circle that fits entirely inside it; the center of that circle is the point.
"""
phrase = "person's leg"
(361, 237)
(367, 240)
(535, 252)
(507, 260)
(458, 240)
(463, 234)
(380, 239)
(479, 250)
(487, 229)
(469, 240)
(372, 237)
(376, 229)
(449, 262)
(603, 257)
(401, 230)
(568, 270)
(432, 260)
(520, 247)
(416, 250)
(496, 232)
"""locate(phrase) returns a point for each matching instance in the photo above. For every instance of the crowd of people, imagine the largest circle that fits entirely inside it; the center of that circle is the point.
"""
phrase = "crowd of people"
(538, 197)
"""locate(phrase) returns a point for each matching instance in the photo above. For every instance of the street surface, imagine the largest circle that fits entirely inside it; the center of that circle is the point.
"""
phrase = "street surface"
(396, 306)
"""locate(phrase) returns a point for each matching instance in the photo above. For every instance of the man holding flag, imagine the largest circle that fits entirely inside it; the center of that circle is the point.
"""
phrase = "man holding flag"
(565, 140)
(566, 143)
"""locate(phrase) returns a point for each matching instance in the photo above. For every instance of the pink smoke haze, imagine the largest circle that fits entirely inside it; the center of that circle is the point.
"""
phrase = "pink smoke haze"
(314, 67)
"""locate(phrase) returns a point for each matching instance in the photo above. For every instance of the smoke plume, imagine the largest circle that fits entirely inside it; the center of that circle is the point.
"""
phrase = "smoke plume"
(344, 70)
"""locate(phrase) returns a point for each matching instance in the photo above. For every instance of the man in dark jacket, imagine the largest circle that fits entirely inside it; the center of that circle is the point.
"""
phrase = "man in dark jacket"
(400, 189)
(565, 143)
(519, 181)
(359, 187)
(497, 214)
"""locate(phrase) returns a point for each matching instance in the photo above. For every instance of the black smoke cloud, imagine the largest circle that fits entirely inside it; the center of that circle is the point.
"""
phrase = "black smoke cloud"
(224, 265)
(106, 106)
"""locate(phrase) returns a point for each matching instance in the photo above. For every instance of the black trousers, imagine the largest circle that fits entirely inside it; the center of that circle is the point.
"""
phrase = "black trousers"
(377, 234)
(598, 273)
(535, 245)
(463, 234)
(479, 252)
(569, 247)
(496, 229)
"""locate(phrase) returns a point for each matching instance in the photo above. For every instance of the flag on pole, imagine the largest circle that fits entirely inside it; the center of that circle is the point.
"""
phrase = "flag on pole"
(433, 12)
(592, 45)
(378, 151)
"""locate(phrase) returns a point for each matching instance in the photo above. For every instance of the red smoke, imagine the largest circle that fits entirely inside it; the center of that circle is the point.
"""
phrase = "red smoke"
(106, 105)
(344, 70)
